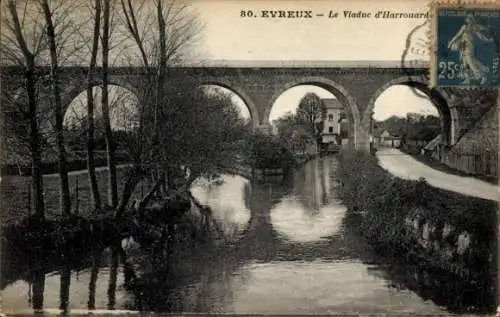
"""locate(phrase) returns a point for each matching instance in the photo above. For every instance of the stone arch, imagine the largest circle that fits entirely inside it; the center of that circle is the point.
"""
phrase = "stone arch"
(254, 113)
(80, 87)
(439, 98)
(336, 89)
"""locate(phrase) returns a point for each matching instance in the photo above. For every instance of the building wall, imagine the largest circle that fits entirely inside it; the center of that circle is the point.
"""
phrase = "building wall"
(332, 126)
(331, 122)
(477, 151)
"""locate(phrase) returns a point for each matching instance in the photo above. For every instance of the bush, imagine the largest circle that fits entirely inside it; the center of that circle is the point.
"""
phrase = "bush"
(267, 152)
(386, 201)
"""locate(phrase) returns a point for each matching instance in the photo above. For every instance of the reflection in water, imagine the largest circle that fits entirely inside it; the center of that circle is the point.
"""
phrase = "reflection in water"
(65, 284)
(310, 211)
(38, 289)
(288, 248)
(225, 199)
(320, 287)
(69, 288)
(113, 273)
(96, 261)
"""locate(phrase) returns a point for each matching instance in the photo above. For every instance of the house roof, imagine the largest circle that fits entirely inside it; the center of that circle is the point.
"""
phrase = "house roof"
(331, 103)
(433, 143)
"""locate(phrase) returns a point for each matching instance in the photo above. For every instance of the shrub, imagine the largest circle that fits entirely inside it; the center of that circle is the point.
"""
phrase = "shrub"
(386, 200)
(267, 152)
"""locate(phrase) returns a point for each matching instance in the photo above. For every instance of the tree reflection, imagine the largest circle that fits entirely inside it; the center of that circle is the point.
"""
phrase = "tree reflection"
(38, 288)
(312, 184)
(65, 286)
(113, 273)
(96, 262)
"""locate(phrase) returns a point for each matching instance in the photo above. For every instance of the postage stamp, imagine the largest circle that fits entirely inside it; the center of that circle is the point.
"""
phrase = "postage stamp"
(465, 39)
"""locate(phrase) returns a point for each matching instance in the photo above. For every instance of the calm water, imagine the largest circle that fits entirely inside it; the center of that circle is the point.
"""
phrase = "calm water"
(284, 247)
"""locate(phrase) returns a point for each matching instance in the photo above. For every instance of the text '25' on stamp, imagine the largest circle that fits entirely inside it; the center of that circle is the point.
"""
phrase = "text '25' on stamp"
(466, 45)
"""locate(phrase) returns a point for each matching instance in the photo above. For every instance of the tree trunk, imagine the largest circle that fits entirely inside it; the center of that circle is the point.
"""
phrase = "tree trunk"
(34, 137)
(134, 178)
(162, 64)
(110, 145)
(96, 196)
(65, 199)
(36, 155)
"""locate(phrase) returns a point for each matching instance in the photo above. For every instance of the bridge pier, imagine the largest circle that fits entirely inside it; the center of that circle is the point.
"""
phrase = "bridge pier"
(265, 128)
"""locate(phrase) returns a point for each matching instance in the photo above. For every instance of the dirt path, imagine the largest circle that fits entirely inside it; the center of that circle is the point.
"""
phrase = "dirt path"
(404, 166)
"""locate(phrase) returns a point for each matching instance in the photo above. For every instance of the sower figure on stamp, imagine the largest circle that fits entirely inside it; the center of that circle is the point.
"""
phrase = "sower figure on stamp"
(464, 42)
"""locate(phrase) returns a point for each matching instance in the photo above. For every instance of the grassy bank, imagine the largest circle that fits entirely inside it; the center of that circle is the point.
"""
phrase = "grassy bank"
(15, 194)
(412, 220)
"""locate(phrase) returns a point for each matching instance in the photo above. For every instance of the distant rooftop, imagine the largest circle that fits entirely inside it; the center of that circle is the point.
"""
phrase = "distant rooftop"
(331, 103)
(304, 63)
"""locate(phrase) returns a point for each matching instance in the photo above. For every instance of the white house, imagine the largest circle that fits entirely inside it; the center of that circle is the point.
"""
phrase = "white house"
(387, 139)
(332, 121)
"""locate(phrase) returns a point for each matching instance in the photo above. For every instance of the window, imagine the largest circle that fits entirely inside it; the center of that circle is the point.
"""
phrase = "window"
(330, 117)
(330, 129)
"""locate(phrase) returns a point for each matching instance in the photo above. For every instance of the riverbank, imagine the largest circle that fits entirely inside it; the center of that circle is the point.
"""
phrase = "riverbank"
(425, 225)
(267, 174)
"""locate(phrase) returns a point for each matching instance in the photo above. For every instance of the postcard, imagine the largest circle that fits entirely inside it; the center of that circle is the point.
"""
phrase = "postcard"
(249, 157)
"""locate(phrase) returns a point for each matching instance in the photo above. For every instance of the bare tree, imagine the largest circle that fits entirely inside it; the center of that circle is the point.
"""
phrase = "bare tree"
(96, 196)
(110, 144)
(174, 30)
(22, 48)
(65, 198)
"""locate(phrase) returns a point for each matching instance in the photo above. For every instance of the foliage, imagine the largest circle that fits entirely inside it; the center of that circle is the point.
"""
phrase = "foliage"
(424, 129)
(387, 202)
(291, 133)
(311, 113)
(268, 152)
(199, 132)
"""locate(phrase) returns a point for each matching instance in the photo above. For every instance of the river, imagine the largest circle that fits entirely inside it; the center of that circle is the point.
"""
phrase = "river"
(287, 247)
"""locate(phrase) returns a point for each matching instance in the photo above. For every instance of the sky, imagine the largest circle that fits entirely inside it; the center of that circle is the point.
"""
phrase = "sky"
(227, 35)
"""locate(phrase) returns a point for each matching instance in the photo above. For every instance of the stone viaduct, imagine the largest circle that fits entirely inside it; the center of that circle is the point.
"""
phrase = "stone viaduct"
(356, 84)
